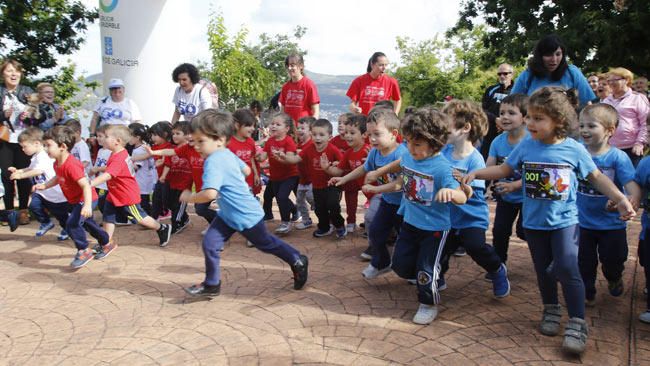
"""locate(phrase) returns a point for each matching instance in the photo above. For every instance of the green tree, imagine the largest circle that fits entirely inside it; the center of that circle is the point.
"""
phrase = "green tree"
(68, 85)
(598, 33)
(35, 32)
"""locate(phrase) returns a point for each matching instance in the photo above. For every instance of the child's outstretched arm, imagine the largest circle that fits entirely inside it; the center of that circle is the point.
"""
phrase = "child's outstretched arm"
(458, 196)
(393, 186)
(633, 193)
(489, 173)
(393, 167)
(287, 158)
(205, 195)
(604, 185)
(49, 184)
(87, 209)
(102, 178)
(150, 153)
(25, 173)
(357, 173)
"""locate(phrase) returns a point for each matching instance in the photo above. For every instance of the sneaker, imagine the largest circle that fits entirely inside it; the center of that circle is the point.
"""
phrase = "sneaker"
(268, 218)
(304, 224)
(412, 281)
(182, 226)
(164, 234)
(425, 314)
(300, 271)
(63, 235)
(82, 258)
(105, 250)
(372, 272)
(44, 228)
(166, 215)
(488, 277)
(320, 233)
(295, 217)
(364, 235)
(645, 317)
(460, 252)
(500, 283)
(575, 336)
(204, 290)
(249, 244)
(12, 220)
(351, 228)
(122, 223)
(341, 233)
(97, 248)
(283, 228)
(550, 324)
(23, 217)
(616, 287)
(203, 232)
(441, 284)
(367, 254)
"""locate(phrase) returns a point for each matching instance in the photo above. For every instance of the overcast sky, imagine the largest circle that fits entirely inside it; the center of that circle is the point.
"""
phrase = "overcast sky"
(341, 34)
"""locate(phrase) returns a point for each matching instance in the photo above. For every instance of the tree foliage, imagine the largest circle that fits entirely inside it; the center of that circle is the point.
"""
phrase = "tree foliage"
(35, 32)
(68, 85)
(598, 33)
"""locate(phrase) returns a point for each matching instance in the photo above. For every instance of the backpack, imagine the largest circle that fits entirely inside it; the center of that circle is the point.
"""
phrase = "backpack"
(212, 88)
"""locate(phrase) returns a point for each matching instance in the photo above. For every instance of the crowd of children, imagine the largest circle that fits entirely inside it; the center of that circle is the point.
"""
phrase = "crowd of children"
(425, 195)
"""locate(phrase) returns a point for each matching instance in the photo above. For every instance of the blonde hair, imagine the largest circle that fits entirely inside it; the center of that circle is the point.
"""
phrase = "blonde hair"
(119, 132)
(602, 113)
(41, 86)
(464, 112)
(623, 73)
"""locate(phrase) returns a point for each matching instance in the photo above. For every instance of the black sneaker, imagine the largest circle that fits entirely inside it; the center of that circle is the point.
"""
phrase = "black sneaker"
(182, 226)
(204, 290)
(300, 271)
(164, 233)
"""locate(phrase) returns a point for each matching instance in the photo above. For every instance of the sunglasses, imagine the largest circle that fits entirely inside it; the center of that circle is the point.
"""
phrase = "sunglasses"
(504, 73)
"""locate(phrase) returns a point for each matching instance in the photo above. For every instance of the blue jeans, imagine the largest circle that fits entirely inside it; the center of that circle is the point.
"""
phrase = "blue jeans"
(281, 190)
(560, 247)
(77, 225)
(384, 221)
(218, 234)
(417, 255)
(473, 240)
(610, 246)
(39, 205)
(505, 215)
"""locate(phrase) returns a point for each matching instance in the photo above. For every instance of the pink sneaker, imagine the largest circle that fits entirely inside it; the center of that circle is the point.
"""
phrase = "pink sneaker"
(166, 215)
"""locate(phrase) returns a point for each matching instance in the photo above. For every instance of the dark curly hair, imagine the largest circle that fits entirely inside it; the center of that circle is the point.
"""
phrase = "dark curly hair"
(191, 71)
(560, 105)
(427, 124)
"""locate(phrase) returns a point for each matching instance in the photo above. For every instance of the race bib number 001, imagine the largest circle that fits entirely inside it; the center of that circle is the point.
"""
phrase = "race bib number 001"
(547, 181)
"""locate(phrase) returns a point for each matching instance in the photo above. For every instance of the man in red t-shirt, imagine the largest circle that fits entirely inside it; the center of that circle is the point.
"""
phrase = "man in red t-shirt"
(299, 96)
(123, 190)
(369, 88)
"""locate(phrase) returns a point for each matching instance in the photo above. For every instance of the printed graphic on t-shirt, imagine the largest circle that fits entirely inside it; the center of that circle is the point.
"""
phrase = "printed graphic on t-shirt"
(244, 155)
(295, 98)
(498, 97)
(585, 187)
(39, 179)
(417, 187)
(129, 163)
(547, 181)
(111, 113)
(186, 109)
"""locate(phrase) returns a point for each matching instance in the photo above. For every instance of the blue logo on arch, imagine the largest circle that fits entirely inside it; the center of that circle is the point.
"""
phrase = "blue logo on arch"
(107, 8)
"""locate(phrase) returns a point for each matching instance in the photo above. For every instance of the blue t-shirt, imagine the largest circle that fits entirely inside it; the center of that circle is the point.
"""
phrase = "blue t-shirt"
(475, 212)
(422, 179)
(376, 160)
(222, 171)
(642, 178)
(550, 181)
(500, 149)
(527, 84)
(616, 165)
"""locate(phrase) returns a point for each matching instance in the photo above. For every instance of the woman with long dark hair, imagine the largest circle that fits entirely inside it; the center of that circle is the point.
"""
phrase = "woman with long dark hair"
(375, 85)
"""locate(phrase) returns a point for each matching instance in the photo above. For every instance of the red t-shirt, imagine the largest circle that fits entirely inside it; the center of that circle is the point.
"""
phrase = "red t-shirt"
(341, 144)
(166, 145)
(302, 166)
(69, 173)
(367, 91)
(310, 155)
(180, 172)
(352, 160)
(278, 170)
(298, 97)
(196, 163)
(123, 189)
(245, 150)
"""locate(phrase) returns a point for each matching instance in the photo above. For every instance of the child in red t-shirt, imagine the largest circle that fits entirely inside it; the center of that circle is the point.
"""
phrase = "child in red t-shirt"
(353, 158)
(283, 176)
(339, 140)
(161, 136)
(242, 144)
(123, 190)
(319, 158)
(71, 177)
(304, 193)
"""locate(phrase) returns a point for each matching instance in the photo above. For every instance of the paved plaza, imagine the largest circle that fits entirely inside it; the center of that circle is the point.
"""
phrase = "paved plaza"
(130, 309)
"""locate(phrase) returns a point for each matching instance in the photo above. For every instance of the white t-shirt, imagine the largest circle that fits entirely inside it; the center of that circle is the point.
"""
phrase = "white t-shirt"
(122, 113)
(12, 101)
(190, 104)
(42, 161)
(81, 151)
(102, 159)
(145, 171)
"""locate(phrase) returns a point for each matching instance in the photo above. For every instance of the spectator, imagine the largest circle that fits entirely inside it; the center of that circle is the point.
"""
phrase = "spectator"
(375, 85)
(115, 109)
(491, 103)
(190, 98)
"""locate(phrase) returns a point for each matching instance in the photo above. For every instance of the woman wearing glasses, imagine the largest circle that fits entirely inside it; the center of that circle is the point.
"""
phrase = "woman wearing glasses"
(549, 66)
(633, 108)
(51, 113)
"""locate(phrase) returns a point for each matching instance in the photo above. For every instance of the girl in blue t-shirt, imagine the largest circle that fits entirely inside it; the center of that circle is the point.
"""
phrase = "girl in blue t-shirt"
(508, 190)
(602, 233)
(468, 123)
(224, 180)
(552, 162)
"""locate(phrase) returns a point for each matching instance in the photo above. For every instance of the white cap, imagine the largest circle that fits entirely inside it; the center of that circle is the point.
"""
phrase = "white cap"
(115, 83)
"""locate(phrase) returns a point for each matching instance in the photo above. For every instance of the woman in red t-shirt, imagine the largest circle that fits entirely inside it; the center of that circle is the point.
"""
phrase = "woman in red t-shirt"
(299, 96)
(375, 85)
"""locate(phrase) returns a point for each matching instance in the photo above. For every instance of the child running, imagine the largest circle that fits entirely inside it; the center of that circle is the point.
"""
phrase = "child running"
(224, 181)
(602, 232)
(145, 170)
(552, 162)
(161, 136)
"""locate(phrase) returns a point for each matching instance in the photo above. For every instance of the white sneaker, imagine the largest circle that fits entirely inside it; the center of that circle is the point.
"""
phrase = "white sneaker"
(350, 228)
(249, 244)
(426, 314)
(204, 231)
(372, 272)
(283, 228)
(304, 225)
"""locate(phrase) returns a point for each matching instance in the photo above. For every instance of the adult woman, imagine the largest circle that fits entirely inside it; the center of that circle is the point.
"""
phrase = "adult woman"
(14, 104)
(51, 113)
(299, 96)
(633, 108)
(549, 66)
(190, 98)
(369, 88)
(116, 109)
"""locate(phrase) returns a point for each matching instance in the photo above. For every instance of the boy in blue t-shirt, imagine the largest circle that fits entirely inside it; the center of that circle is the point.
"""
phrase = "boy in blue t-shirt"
(224, 181)
(469, 222)
(602, 232)
(428, 186)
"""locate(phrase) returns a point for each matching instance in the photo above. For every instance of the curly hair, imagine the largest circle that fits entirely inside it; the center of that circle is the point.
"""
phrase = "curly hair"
(191, 71)
(560, 105)
(463, 112)
(427, 124)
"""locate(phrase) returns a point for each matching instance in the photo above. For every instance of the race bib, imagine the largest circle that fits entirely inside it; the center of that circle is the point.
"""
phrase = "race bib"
(417, 187)
(547, 181)
(585, 187)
